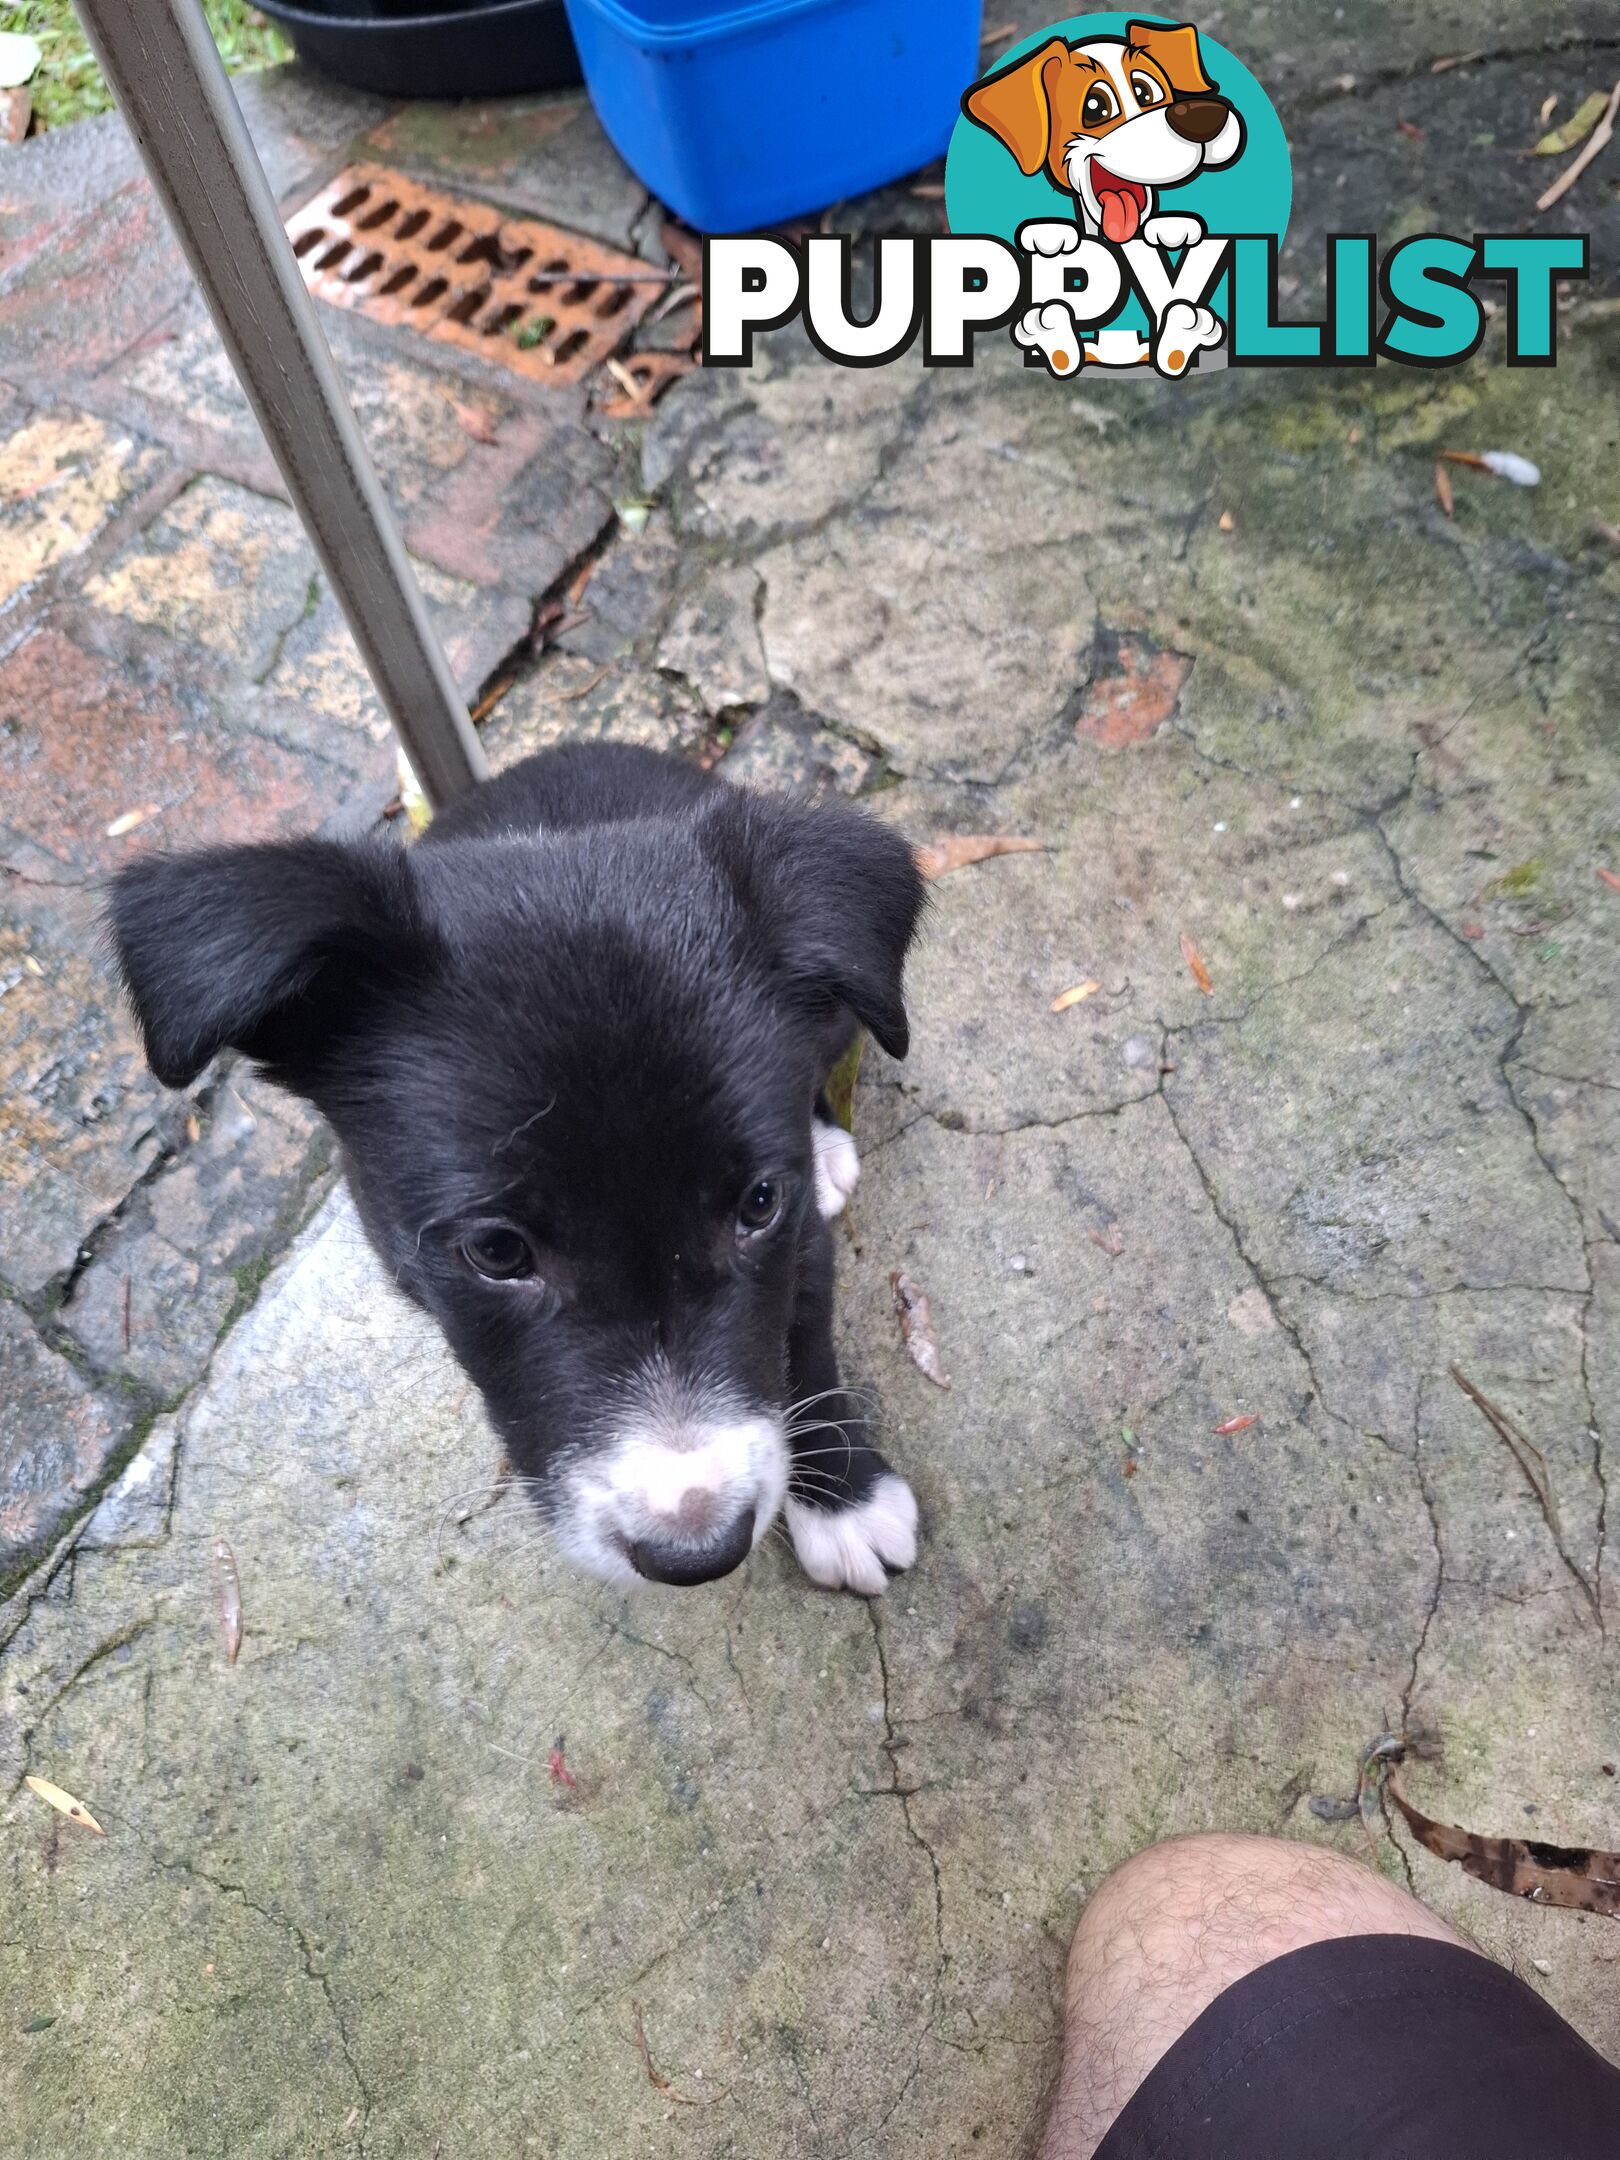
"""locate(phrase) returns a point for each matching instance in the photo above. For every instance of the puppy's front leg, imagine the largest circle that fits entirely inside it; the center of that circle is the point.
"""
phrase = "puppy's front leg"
(838, 1166)
(851, 1518)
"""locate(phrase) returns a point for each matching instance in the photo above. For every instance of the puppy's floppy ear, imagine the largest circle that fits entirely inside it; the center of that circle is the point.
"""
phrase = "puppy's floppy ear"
(836, 894)
(1175, 47)
(1016, 105)
(270, 950)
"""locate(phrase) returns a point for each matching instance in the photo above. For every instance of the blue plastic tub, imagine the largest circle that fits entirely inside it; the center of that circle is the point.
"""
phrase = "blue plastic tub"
(750, 114)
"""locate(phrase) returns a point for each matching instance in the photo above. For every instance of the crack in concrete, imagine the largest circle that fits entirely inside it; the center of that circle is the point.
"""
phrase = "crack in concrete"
(905, 1793)
(1422, 1294)
(618, 1632)
(290, 1928)
(38, 1713)
(1431, 1509)
(1508, 1058)
(1288, 1328)
(1586, 1080)
(956, 1123)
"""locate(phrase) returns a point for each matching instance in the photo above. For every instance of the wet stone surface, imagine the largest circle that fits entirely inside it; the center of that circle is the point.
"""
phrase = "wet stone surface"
(1218, 649)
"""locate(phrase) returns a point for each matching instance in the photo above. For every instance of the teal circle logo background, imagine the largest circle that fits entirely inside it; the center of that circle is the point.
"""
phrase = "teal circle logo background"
(986, 193)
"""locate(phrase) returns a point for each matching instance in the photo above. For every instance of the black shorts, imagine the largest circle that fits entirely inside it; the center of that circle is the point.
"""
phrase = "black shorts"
(1375, 2047)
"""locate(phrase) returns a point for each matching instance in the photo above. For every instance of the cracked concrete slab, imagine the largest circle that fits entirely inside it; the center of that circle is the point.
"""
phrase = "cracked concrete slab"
(1361, 758)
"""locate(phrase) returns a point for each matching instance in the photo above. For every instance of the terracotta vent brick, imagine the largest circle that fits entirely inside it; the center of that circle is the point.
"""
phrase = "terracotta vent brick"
(545, 303)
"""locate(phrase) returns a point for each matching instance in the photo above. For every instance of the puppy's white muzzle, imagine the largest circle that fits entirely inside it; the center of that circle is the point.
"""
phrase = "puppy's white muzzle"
(678, 1498)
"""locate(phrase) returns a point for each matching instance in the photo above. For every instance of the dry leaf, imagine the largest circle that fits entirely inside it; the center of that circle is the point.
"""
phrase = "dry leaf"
(1232, 1425)
(1505, 464)
(477, 423)
(1574, 130)
(1108, 1241)
(64, 1803)
(643, 381)
(1195, 960)
(1442, 489)
(1610, 879)
(230, 1599)
(916, 1318)
(1602, 135)
(131, 818)
(1133, 691)
(1571, 1875)
(957, 850)
(1226, 521)
(1076, 996)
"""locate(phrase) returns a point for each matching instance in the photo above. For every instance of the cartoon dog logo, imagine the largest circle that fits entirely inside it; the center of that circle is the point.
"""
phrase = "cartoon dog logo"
(1113, 121)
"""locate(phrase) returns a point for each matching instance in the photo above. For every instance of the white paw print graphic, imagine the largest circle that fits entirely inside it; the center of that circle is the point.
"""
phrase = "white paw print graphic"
(1053, 332)
(1183, 332)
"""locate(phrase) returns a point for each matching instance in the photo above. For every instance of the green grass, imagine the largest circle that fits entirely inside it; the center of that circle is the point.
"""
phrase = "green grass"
(67, 84)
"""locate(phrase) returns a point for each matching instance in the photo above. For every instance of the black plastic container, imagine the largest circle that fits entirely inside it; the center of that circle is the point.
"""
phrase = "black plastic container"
(493, 50)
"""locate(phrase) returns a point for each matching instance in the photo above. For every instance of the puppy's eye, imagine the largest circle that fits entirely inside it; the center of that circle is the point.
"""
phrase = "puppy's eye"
(1099, 106)
(498, 1254)
(760, 1207)
(1148, 92)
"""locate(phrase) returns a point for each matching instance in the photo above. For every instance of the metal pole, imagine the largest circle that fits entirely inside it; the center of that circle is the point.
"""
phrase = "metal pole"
(160, 60)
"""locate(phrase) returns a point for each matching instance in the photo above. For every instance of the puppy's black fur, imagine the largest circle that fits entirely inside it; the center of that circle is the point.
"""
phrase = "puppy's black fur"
(574, 1032)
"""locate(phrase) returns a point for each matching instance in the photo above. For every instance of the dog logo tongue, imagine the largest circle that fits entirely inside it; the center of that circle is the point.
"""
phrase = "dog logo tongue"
(1119, 202)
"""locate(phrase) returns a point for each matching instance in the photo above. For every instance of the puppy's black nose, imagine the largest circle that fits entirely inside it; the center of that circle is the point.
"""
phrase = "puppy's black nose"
(665, 1561)
(1197, 119)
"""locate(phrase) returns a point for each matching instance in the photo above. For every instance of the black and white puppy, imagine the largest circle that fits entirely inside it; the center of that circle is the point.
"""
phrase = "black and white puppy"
(573, 1045)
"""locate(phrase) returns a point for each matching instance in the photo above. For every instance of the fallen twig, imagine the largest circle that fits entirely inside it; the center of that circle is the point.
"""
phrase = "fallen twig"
(1596, 143)
(958, 850)
(1533, 1463)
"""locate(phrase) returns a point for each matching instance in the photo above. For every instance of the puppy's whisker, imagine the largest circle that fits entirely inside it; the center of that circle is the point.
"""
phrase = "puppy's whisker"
(850, 1394)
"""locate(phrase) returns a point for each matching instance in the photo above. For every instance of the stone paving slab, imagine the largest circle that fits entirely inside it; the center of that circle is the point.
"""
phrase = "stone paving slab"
(824, 1857)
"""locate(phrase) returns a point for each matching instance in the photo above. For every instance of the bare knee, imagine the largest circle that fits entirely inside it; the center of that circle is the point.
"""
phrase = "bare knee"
(1222, 1903)
(1175, 1926)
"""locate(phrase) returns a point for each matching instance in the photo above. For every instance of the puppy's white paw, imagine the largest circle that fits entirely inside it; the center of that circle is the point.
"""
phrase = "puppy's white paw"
(838, 1168)
(1172, 231)
(853, 1548)
(1049, 236)
(1182, 333)
(1052, 330)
